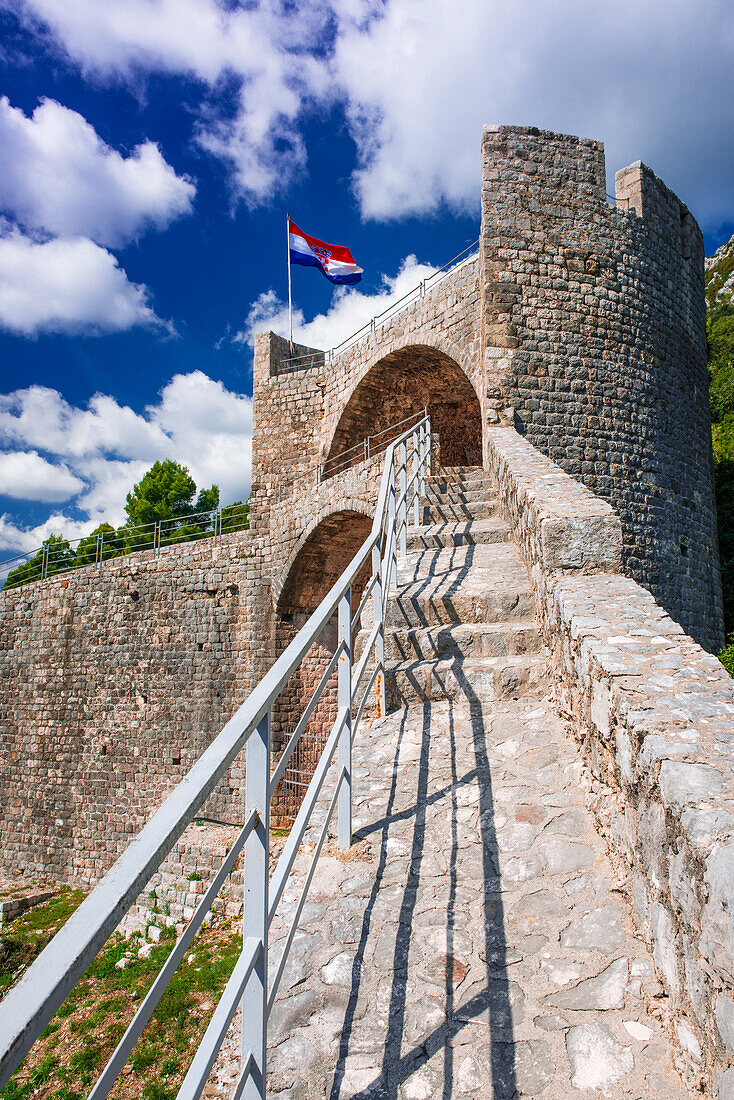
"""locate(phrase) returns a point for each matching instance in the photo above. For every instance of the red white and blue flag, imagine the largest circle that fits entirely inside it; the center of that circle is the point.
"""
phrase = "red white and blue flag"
(334, 260)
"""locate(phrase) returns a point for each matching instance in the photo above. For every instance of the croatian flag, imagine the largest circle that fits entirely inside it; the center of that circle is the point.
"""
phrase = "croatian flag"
(334, 260)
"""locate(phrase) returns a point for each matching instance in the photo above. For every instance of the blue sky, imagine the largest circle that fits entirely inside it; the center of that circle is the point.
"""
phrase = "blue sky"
(149, 150)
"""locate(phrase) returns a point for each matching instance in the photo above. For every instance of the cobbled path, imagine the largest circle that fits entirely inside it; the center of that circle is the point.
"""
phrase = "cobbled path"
(472, 943)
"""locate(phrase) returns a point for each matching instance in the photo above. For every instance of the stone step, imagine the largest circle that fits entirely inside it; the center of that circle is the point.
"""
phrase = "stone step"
(469, 533)
(456, 473)
(471, 640)
(442, 484)
(488, 679)
(460, 584)
(453, 512)
(415, 609)
(457, 494)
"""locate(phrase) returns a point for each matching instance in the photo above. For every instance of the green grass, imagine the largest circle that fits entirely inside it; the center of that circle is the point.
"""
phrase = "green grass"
(28, 934)
(76, 1045)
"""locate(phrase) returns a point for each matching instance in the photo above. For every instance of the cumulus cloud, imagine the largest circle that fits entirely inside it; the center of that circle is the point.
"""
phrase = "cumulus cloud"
(261, 60)
(420, 77)
(67, 285)
(27, 476)
(98, 452)
(58, 176)
(349, 310)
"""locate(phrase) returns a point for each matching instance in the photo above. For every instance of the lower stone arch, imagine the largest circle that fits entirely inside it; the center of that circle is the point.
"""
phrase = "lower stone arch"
(403, 383)
(318, 564)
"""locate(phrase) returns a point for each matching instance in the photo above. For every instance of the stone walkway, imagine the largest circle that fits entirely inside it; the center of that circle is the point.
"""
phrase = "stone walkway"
(472, 943)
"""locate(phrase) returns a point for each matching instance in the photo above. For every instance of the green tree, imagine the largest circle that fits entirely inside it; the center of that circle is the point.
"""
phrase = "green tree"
(58, 557)
(235, 517)
(166, 494)
(113, 544)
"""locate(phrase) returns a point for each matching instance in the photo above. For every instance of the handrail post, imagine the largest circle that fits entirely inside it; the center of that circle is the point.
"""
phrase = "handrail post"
(428, 444)
(391, 572)
(256, 903)
(344, 689)
(44, 563)
(422, 461)
(403, 490)
(380, 639)
(416, 440)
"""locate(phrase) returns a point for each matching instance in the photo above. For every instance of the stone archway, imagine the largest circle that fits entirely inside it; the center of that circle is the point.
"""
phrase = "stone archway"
(321, 560)
(403, 383)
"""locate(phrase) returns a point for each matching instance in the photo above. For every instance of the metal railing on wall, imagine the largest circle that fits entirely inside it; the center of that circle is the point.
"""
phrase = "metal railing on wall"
(370, 327)
(33, 1002)
(64, 555)
(370, 447)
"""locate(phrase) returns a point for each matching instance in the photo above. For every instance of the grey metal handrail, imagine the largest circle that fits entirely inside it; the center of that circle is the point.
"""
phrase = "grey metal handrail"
(32, 1003)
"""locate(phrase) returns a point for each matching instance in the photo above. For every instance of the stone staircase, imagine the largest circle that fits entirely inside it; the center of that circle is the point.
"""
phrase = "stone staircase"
(473, 943)
(461, 620)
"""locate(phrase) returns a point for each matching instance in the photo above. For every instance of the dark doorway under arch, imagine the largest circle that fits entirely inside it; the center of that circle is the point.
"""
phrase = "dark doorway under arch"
(404, 383)
(318, 565)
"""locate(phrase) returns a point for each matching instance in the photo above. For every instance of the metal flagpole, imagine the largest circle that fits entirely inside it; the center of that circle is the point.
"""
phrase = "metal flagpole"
(290, 295)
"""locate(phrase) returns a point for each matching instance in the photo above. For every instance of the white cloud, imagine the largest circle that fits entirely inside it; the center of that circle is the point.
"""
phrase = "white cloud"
(27, 476)
(57, 175)
(349, 310)
(421, 77)
(262, 55)
(106, 447)
(68, 285)
(17, 540)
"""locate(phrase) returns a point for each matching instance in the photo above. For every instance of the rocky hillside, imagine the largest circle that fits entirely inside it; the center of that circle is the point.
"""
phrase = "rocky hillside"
(720, 332)
(720, 275)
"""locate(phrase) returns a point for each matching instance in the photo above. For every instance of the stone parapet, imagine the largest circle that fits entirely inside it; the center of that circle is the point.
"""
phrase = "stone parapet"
(560, 524)
(655, 716)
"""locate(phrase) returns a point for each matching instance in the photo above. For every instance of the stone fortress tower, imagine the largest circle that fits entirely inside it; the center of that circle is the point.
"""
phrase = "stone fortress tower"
(581, 323)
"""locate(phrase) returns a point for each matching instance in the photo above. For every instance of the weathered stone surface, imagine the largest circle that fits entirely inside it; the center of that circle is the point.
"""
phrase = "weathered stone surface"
(599, 930)
(602, 992)
(654, 714)
(597, 1059)
(682, 783)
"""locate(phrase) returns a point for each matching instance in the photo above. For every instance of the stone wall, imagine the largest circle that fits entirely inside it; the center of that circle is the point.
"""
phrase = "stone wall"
(113, 680)
(594, 345)
(580, 323)
(310, 409)
(653, 713)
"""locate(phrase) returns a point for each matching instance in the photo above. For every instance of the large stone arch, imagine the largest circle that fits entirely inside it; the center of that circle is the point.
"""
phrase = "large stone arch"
(402, 383)
(314, 567)
(318, 526)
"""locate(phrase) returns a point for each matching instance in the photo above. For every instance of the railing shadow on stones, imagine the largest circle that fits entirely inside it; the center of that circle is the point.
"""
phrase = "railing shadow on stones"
(32, 1003)
(493, 999)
